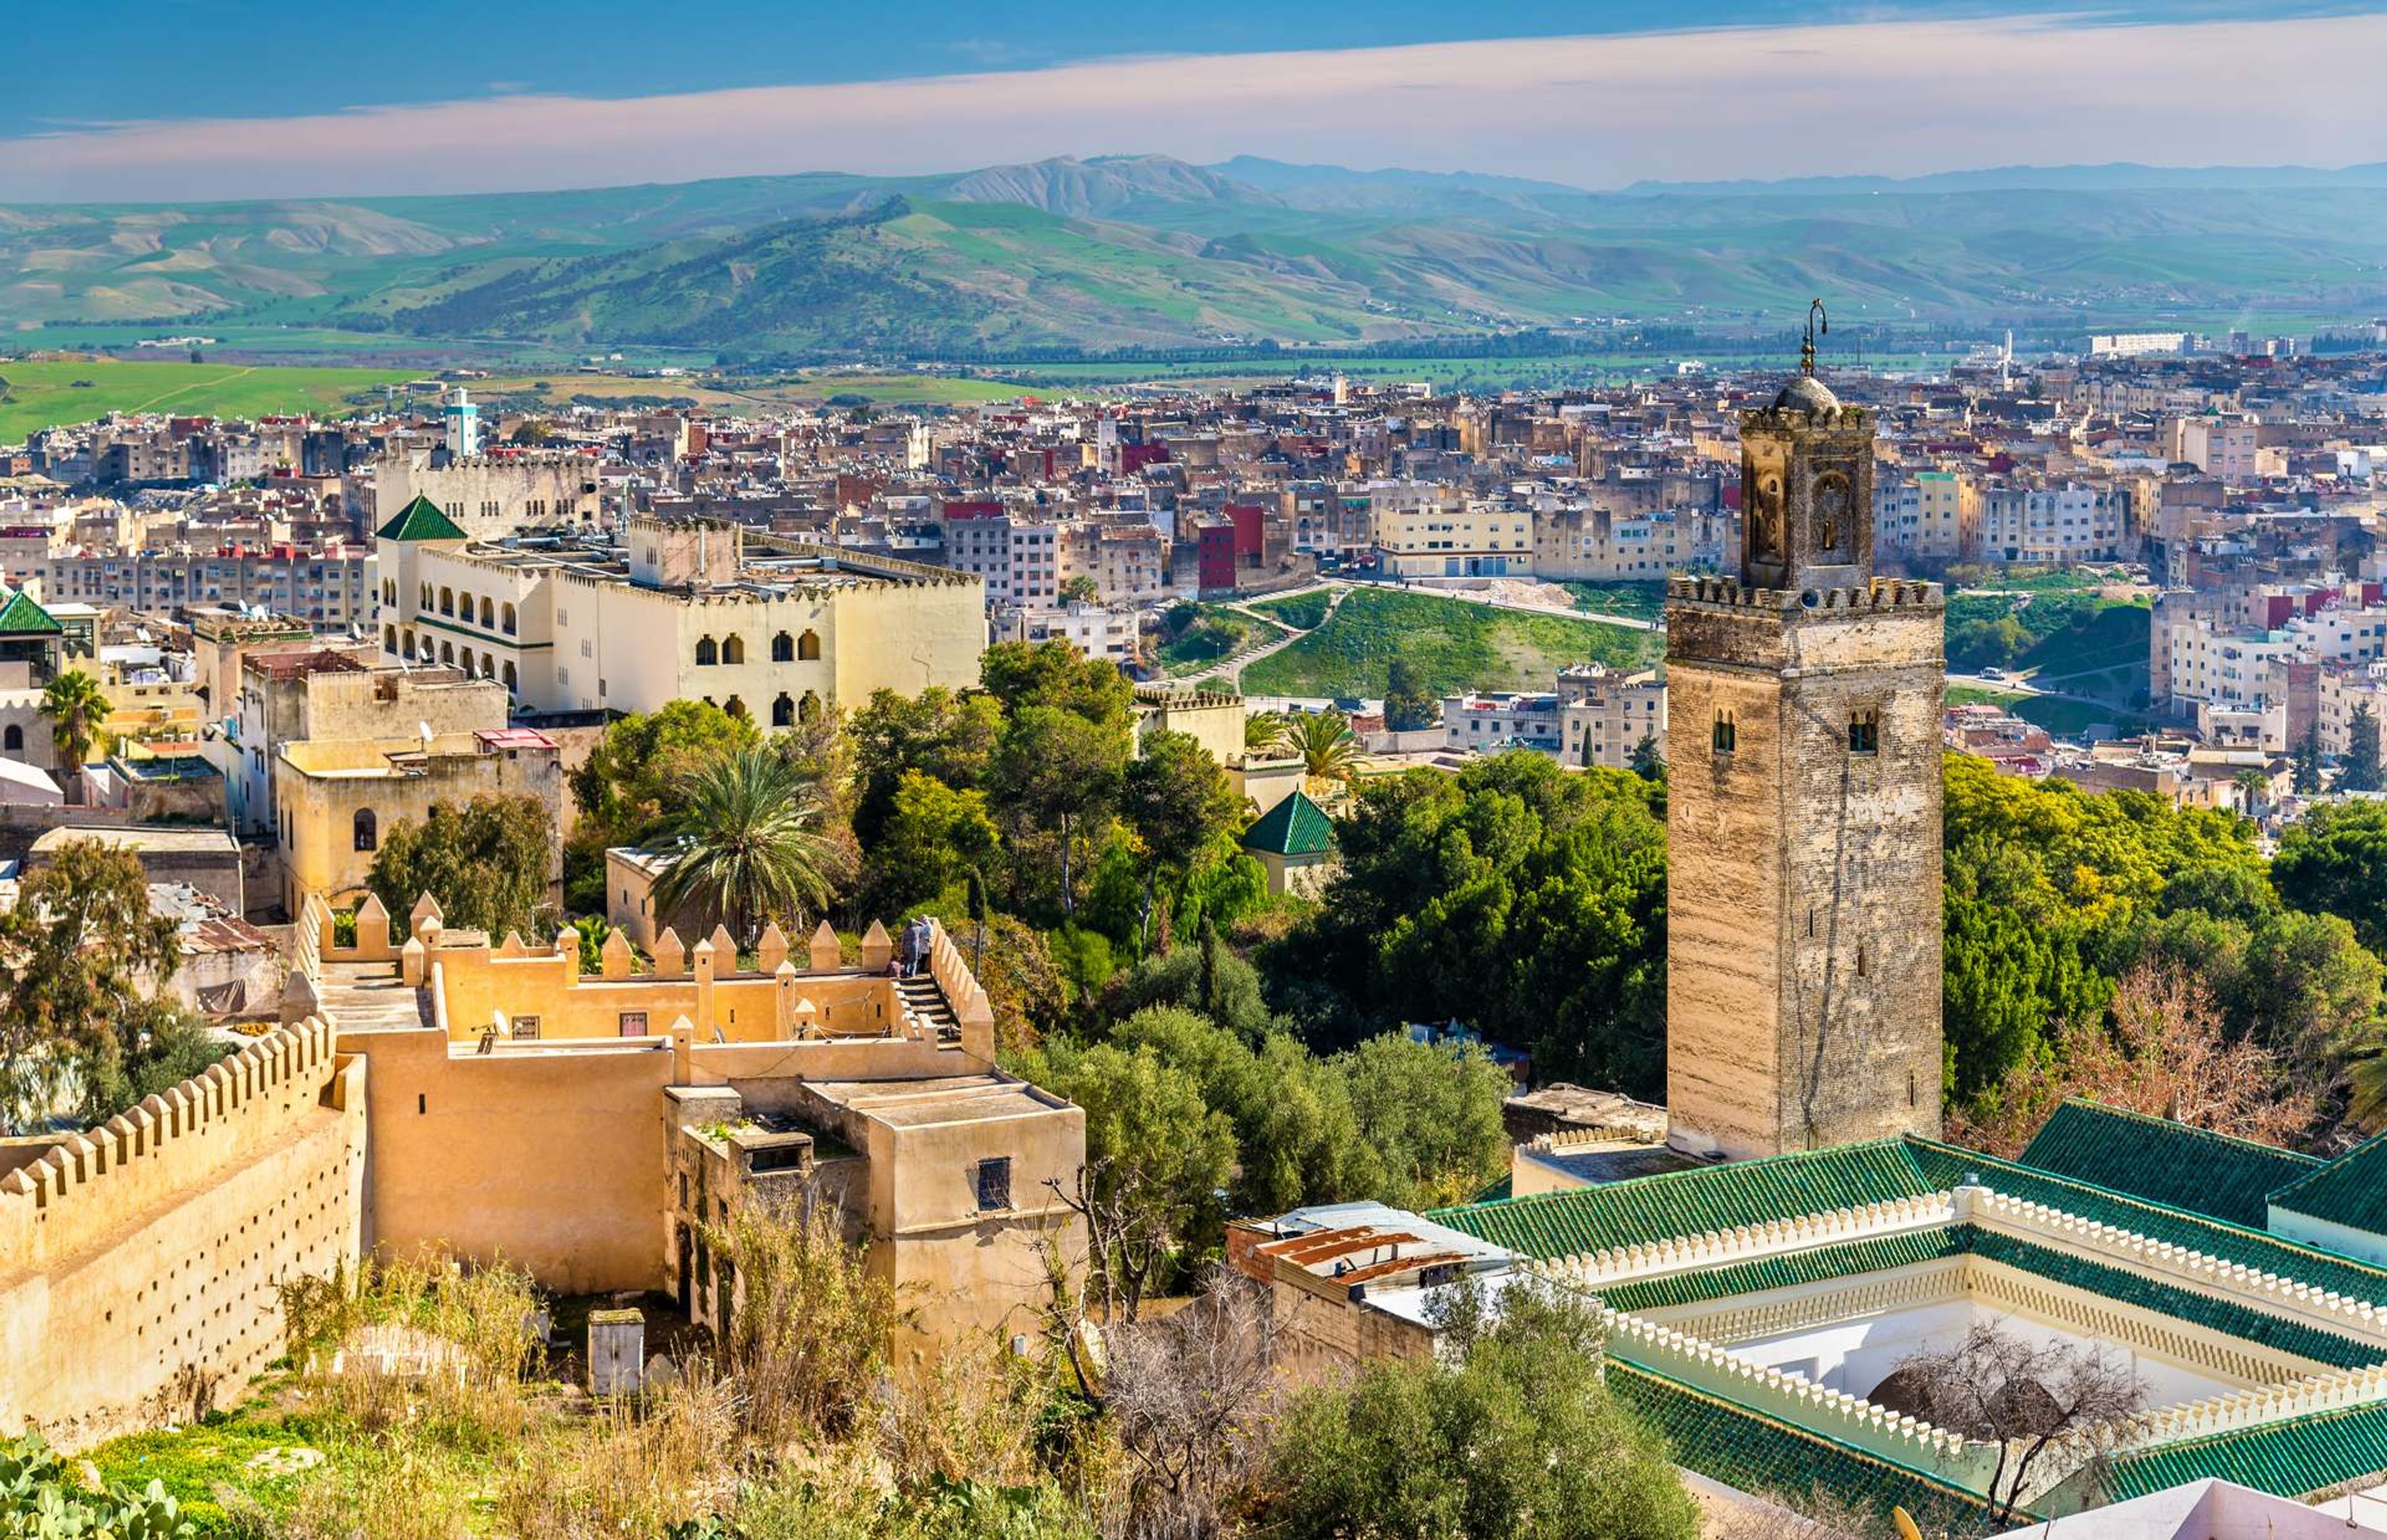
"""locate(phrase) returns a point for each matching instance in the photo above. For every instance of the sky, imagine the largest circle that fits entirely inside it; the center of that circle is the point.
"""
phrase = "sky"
(197, 99)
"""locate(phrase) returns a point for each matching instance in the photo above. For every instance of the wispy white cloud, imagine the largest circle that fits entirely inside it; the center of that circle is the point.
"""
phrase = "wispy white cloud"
(1895, 98)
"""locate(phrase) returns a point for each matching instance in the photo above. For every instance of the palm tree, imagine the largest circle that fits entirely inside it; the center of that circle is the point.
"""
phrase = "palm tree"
(1264, 730)
(1324, 744)
(2256, 789)
(749, 838)
(76, 706)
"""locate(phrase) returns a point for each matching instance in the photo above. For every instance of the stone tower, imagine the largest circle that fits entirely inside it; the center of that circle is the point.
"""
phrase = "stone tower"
(1802, 757)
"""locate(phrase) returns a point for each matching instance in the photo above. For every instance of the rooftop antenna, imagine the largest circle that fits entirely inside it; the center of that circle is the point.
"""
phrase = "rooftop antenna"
(1818, 324)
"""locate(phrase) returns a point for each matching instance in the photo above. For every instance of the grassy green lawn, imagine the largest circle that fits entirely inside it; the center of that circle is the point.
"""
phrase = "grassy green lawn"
(1458, 645)
(1300, 609)
(2063, 718)
(1632, 600)
(49, 394)
(1215, 632)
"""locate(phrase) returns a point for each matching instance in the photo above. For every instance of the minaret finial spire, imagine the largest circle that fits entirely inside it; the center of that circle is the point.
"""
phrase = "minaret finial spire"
(1818, 324)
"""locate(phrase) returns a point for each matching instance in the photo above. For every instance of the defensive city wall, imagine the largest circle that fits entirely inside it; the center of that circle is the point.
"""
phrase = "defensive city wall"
(139, 1260)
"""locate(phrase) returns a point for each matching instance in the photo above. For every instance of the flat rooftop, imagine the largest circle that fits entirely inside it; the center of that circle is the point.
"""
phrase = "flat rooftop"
(153, 839)
(944, 1099)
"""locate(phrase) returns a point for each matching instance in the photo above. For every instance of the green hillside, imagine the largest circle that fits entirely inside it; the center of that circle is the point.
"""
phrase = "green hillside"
(1458, 645)
(1149, 250)
(42, 394)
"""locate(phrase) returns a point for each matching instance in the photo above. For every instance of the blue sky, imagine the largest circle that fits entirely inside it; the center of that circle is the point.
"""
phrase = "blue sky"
(382, 100)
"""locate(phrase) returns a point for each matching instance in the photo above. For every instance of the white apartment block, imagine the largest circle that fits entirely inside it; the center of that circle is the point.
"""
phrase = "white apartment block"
(2217, 444)
(1095, 630)
(1488, 723)
(330, 591)
(2344, 691)
(2052, 525)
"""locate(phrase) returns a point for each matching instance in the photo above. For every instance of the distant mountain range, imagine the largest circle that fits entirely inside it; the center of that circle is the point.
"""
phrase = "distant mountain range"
(1148, 250)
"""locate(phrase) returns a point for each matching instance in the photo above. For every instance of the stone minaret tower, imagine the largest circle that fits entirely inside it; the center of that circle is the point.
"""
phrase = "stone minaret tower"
(1802, 757)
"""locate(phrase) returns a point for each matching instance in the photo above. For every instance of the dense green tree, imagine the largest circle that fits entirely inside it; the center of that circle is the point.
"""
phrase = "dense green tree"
(1054, 673)
(1296, 1135)
(1649, 758)
(937, 733)
(1518, 1437)
(1177, 798)
(2307, 762)
(1157, 1157)
(485, 863)
(2335, 861)
(1431, 1113)
(79, 950)
(624, 787)
(1525, 901)
(932, 837)
(2359, 770)
(1208, 977)
(746, 829)
(1410, 700)
(1055, 777)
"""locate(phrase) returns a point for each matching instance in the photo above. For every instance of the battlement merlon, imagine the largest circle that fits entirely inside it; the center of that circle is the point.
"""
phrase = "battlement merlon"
(1687, 591)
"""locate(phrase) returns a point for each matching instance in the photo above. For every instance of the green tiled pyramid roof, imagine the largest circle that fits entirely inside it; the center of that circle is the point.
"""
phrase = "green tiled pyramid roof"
(2351, 1189)
(1691, 1203)
(2165, 1162)
(1295, 826)
(421, 520)
(2291, 1458)
(1945, 1165)
(21, 617)
(1742, 1447)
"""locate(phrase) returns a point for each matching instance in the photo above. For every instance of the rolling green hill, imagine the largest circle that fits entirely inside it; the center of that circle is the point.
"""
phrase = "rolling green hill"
(1456, 644)
(1148, 250)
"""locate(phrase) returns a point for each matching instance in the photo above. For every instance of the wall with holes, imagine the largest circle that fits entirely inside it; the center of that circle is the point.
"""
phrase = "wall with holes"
(139, 1260)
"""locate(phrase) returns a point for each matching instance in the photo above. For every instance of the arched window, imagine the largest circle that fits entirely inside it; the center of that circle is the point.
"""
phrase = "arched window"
(783, 712)
(447, 652)
(808, 646)
(707, 655)
(809, 708)
(368, 831)
(13, 739)
(447, 602)
(734, 649)
(1727, 733)
(405, 645)
(736, 708)
(389, 638)
(510, 619)
(513, 685)
(426, 598)
(783, 648)
(489, 614)
(1864, 732)
(488, 665)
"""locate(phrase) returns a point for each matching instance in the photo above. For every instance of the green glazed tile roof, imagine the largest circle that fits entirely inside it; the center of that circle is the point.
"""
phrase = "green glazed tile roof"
(2350, 1191)
(2165, 1162)
(1745, 1448)
(1295, 826)
(2291, 1458)
(1691, 1203)
(21, 617)
(1945, 1165)
(421, 520)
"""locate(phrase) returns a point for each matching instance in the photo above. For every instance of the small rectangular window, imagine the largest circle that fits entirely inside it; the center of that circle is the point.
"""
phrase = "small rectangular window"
(995, 1184)
(525, 1026)
(634, 1023)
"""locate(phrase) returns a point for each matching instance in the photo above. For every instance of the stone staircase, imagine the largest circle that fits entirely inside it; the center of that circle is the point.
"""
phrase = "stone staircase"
(924, 1004)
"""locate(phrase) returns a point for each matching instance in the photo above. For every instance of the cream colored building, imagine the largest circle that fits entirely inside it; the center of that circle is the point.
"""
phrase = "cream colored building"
(334, 800)
(1475, 539)
(1211, 718)
(1606, 713)
(771, 629)
(491, 495)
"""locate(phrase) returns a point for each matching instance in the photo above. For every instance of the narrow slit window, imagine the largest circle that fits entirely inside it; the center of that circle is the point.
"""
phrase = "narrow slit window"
(1865, 733)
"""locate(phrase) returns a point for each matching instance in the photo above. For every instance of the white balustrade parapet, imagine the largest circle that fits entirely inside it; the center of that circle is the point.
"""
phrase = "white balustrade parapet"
(1750, 1242)
(2113, 1246)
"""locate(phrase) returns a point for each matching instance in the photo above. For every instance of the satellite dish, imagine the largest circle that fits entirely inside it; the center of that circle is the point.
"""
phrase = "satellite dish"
(425, 728)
